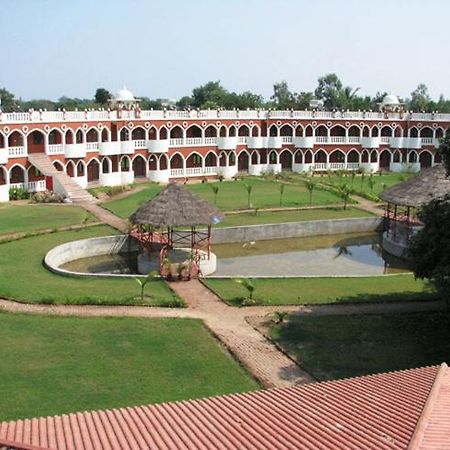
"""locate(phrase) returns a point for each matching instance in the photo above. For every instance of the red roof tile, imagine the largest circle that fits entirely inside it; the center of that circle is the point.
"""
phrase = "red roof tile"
(373, 412)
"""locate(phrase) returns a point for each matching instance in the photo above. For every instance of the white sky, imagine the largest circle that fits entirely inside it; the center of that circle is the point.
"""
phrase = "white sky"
(50, 48)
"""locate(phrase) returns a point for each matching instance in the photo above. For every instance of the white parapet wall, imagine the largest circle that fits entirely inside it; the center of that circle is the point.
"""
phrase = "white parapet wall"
(110, 179)
(159, 176)
(4, 193)
(404, 167)
(227, 171)
(127, 177)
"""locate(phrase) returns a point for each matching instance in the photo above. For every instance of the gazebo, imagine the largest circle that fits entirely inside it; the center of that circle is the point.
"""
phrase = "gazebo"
(167, 229)
(404, 200)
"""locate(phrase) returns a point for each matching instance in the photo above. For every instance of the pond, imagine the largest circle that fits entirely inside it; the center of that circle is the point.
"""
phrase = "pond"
(334, 255)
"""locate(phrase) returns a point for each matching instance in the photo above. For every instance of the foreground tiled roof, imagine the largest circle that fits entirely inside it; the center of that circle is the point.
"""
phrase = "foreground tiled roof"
(386, 411)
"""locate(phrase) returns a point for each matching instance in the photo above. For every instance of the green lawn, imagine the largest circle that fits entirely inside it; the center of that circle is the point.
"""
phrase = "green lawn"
(332, 347)
(54, 365)
(232, 195)
(27, 218)
(261, 217)
(309, 291)
(23, 276)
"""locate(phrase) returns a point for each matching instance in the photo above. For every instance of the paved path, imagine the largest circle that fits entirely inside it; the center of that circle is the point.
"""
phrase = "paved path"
(369, 206)
(105, 216)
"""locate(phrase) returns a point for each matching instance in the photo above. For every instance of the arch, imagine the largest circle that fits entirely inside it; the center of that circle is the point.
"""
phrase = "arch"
(320, 156)
(92, 135)
(255, 157)
(308, 157)
(425, 159)
(299, 131)
(426, 132)
(273, 130)
(337, 156)
(153, 162)
(244, 130)
(353, 156)
(93, 170)
(139, 166)
(354, 131)
(386, 131)
(125, 134)
(138, 133)
(413, 132)
(34, 174)
(3, 175)
(125, 164)
(439, 133)
(337, 130)
(70, 136)
(273, 157)
(2, 140)
(321, 130)
(385, 159)
(243, 161)
(106, 165)
(163, 162)
(211, 159)
(397, 156)
(286, 130)
(194, 160)
(152, 133)
(80, 168)
(365, 156)
(16, 139)
(70, 168)
(374, 156)
(58, 165)
(232, 131)
(211, 131)
(17, 174)
(193, 131)
(106, 135)
(286, 159)
(232, 158)
(176, 132)
(398, 131)
(223, 159)
(177, 161)
(413, 157)
(309, 131)
(223, 131)
(163, 133)
(79, 136)
(55, 136)
(375, 131)
(298, 157)
(256, 131)
(366, 131)
(36, 141)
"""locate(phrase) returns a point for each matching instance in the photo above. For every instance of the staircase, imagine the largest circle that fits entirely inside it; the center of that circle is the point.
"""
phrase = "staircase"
(67, 186)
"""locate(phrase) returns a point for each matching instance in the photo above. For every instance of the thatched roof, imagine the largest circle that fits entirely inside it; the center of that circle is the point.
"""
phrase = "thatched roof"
(429, 185)
(176, 206)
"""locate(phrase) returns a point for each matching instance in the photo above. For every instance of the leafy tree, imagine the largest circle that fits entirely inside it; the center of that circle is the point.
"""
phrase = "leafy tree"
(7, 101)
(209, 95)
(282, 96)
(185, 102)
(420, 99)
(147, 103)
(444, 151)
(102, 96)
(429, 248)
(344, 192)
(329, 89)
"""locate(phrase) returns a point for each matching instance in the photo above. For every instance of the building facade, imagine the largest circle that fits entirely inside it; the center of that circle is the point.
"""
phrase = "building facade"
(113, 147)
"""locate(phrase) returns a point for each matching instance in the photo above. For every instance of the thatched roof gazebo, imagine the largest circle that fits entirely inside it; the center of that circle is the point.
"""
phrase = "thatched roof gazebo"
(404, 199)
(170, 220)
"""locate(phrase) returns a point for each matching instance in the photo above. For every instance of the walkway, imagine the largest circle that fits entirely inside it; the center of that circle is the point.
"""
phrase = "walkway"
(106, 216)
(368, 205)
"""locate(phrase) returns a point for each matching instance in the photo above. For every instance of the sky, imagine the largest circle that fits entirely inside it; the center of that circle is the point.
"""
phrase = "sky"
(51, 48)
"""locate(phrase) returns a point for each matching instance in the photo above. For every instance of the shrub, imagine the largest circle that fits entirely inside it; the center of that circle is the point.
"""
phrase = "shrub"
(18, 193)
(47, 197)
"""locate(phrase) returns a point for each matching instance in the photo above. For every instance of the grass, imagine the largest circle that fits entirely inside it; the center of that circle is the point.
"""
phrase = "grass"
(323, 290)
(23, 276)
(332, 347)
(262, 217)
(28, 218)
(54, 365)
(232, 195)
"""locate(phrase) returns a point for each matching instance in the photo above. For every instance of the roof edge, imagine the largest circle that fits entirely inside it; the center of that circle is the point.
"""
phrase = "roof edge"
(422, 423)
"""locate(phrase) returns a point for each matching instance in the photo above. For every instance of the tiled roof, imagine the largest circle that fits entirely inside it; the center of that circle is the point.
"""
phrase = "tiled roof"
(372, 412)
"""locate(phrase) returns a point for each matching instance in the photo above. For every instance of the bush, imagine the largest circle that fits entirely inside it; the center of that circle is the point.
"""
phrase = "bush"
(47, 197)
(111, 191)
(18, 193)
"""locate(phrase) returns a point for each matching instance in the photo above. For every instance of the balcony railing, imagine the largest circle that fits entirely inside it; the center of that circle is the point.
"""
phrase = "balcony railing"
(17, 152)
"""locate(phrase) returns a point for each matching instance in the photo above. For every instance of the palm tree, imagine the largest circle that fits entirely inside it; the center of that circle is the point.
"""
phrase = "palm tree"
(143, 282)
(345, 192)
(248, 188)
(215, 190)
(353, 178)
(371, 182)
(310, 186)
(281, 193)
(247, 284)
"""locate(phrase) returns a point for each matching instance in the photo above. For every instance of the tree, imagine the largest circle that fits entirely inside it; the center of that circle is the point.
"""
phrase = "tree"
(143, 282)
(444, 151)
(282, 96)
(420, 99)
(344, 192)
(215, 190)
(250, 287)
(7, 101)
(329, 90)
(310, 186)
(281, 193)
(102, 96)
(249, 188)
(428, 250)
(209, 95)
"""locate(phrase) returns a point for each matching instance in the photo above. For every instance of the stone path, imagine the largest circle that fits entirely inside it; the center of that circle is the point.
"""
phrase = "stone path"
(106, 216)
(367, 205)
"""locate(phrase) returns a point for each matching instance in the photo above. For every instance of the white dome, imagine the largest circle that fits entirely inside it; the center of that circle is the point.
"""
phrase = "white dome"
(124, 95)
(390, 100)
